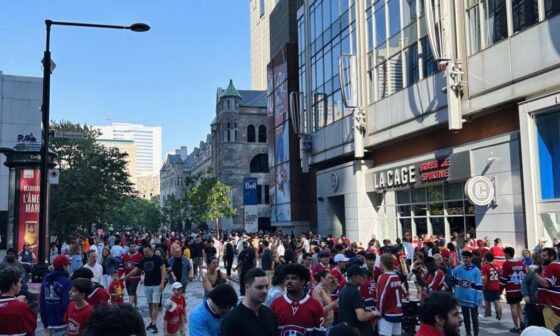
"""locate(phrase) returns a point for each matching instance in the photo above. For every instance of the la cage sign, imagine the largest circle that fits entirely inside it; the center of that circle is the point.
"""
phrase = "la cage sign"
(421, 173)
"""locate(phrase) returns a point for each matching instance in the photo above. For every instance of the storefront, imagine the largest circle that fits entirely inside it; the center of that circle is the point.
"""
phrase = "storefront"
(540, 140)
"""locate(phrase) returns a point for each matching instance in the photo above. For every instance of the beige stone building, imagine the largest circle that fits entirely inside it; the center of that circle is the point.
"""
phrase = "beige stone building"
(260, 41)
(128, 147)
(148, 186)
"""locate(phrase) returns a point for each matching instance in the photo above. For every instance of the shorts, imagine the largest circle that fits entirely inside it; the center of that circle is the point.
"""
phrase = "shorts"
(387, 328)
(131, 286)
(491, 296)
(58, 331)
(513, 300)
(197, 261)
(152, 294)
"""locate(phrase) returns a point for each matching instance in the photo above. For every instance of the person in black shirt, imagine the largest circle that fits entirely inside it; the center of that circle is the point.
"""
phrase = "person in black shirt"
(267, 259)
(210, 251)
(229, 253)
(245, 261)
(352, 308)
(197, 251)
(251, 317)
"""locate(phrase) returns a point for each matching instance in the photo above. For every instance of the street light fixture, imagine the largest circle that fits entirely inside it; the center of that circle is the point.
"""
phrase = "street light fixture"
(48, 67)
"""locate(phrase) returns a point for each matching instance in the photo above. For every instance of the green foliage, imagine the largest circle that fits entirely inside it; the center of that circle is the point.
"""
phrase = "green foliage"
(135, 213)
(93, 179)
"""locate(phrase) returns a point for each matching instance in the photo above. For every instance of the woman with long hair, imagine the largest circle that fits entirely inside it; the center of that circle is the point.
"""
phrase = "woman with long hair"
(110, 264)
(213, 276)
(27, 257)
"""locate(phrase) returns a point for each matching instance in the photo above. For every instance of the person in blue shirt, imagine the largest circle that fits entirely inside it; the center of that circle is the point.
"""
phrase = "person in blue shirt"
(55, 296)
(468, 291)
(206, 317)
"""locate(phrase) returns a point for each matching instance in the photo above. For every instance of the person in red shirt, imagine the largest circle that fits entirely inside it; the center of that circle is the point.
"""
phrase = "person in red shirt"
(174, 319)
(439, 316)
(498, 251)
(296, 312)
(390, 294)
(16, 315)
(483, 249)
(129, 261)
(96, 294)
(432, 280)
(116, 289)
(491, 284)
(548, 294)
(179, 298)
(341, 262)
(322, 265)
(78, 310)
(513, 273)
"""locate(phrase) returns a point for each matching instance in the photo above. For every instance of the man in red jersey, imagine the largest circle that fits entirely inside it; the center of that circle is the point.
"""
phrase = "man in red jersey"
(323, 263)
(498, 251)
(390, 294)
(368, 288)
(432, 280)
(298, 314)
(491, 284)
(129, 261)
(16, 315)
(483, 249)
(439, 316)
(549, 293)
(513, 273)
(340, 264)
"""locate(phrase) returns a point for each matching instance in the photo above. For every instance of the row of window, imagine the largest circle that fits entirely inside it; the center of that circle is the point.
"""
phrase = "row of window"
(251, 134)
(230, 133)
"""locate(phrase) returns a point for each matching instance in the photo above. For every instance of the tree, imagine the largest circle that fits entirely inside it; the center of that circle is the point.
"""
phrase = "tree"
(135, 213)
(210, 199)
(175, 212)
(93, 179)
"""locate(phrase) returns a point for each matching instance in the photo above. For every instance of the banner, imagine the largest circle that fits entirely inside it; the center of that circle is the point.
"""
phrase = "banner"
(251, 218)
(250, 191)
(28, 224)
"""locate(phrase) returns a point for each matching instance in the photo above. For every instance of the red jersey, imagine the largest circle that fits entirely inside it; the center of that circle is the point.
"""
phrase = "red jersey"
(97, 296)
(368, 293)
(77, 318)
(318, 268)
(499, 256)
(310, 286)
(304, 317)
(389, 297)
(433, 282)
(445, 253)
(483, 251)
(116, 290)
(491, 274)
(513, 273)
(180, 301)
(341, 282)
(17, 317)
(174, 319)
(551, 296)
(129, 262)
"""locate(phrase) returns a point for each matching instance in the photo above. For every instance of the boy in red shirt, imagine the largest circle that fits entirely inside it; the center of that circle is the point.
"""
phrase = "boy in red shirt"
(179, 298)
(79, 310)
(491, 283)
(513, 273)
(390, 294)
(116, 289)
(174, 319)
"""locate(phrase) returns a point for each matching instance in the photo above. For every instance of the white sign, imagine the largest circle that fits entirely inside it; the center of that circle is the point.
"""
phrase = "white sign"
(479, 190)
(68, 135)
(398, 177)
(251, 218)
(54, 176)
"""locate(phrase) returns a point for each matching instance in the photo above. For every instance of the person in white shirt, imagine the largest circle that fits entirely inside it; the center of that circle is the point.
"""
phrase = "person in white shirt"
(117, 250)
(94, 267)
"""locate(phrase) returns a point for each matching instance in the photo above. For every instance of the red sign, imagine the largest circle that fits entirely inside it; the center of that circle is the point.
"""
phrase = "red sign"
(434, 170)
(29, 190)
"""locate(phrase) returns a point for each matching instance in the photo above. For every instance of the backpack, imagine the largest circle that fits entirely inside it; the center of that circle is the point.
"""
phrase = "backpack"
(38, 272)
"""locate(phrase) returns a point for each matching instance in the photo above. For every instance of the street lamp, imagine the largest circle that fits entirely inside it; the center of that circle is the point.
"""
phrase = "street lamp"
(48, 67)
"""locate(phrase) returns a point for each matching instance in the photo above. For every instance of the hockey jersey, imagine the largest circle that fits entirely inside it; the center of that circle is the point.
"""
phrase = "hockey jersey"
(298, 318)
(468, 285)
(128, 263)
(551, 296)
(513, 273)
(433, 282)
(499, 256)
(389, 295)
(17, 317)
(368, 293)
(492, 275)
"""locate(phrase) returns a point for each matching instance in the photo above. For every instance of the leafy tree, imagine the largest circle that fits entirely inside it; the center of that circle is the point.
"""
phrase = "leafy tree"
(175, 212)
(135, 213)
(93, 179)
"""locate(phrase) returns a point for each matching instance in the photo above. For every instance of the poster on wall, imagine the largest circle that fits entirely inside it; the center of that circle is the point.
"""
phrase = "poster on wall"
(280, 74)
(280, 213)
(281, 103)
(281, 140)
(269, 79)
(283, 183)
(250, 191)
(251, 218)
(28, 225)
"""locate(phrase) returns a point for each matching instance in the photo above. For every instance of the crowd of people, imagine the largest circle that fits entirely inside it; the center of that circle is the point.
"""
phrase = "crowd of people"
(289, 285)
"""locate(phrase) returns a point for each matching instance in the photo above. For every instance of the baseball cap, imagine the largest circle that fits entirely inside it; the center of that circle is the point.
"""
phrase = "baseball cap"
(340, 257)
(176, 285)
(534, 330)
(60, 261)
(543, 239)
(356, 270)
(169, 305)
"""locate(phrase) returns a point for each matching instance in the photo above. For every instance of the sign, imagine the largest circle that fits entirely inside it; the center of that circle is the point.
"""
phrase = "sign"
(394, 178)
(334, 181)
(28, 224)
(26, 138)
(251, 216)
(479, 190)
(250, 191)
(68, 135)
(434, 170)
(54, 176)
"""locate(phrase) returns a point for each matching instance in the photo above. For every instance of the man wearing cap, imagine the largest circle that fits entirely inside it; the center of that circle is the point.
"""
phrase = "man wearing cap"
(55, 296)
(340, 263)
(352, 308)
(540, 246)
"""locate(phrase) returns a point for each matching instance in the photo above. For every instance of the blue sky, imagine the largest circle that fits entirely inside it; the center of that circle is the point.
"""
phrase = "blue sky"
(166, 77)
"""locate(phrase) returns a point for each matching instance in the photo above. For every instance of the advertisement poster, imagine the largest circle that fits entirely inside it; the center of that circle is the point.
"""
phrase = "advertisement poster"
(269, 80)
(283, 183)
(251, 218)
(250, 191)
(280, 213)
(28, 225)
(281, 140)
(281, 103)
(280, 74)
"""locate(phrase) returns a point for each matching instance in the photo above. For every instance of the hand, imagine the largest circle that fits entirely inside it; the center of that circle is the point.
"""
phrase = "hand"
(335, 303)
(22, 298)
(161, 287)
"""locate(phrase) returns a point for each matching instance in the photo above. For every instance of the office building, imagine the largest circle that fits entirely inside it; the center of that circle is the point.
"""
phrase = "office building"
(126, 147)
(259, 11)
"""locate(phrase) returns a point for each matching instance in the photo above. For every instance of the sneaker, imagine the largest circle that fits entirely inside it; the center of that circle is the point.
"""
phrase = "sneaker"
(150, 326)
(154, 330)
(515, 331)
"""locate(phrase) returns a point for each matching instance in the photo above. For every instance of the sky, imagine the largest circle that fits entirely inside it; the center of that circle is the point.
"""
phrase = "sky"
(165, 77)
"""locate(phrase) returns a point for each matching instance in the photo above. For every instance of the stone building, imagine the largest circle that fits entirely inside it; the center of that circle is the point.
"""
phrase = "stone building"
(172, 175)
(239, 135)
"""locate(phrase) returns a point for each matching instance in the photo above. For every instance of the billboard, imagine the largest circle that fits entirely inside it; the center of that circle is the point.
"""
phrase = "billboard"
(28, 223)
(251, 218)
(250, 191)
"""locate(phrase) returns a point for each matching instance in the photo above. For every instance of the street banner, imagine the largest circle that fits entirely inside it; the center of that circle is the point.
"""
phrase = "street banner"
(29, 191)
(250, 191)
(251, 218)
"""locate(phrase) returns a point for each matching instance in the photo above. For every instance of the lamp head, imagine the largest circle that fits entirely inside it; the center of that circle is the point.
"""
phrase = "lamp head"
(139, 27)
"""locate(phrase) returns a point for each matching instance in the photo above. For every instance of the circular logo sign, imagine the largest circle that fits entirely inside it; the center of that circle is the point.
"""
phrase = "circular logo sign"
(479, 190)
(334, 181)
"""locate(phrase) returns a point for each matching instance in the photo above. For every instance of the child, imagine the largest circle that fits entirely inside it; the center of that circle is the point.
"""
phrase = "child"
(79, 310)
(179, 299)
(116, 288)
(174, 319)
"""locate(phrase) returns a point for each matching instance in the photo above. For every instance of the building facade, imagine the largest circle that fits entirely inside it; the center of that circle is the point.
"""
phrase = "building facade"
(240, 151)
(420, 161)
(126, 147)
(172, 175)
(259, 11)
(20, 119)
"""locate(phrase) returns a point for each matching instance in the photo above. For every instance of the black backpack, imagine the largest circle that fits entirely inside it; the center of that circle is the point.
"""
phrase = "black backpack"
(38, 272)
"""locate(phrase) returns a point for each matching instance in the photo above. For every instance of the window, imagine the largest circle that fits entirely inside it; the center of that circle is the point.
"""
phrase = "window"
(228, 106)
(266, 194)
(261, 8)
(412, 69)
(259, 164)
(394, 17)
(430, 64)
(380, 28)
(234, 132)
(548, 147)
(551, 8)
(525, 13)
(473, 15)
(395, 73)
(262, 134)
(495, 21)
(251, 133)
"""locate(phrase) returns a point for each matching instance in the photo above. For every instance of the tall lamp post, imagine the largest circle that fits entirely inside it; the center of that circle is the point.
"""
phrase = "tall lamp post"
(45, 108)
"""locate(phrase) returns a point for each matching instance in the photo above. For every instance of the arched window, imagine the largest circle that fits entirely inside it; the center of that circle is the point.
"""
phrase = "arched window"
(262, 133)
(251, 133)
(259, 164)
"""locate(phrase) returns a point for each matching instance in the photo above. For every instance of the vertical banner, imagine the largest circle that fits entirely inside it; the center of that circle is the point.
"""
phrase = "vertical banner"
(250, 191)
(251, 218)
(28, 222)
